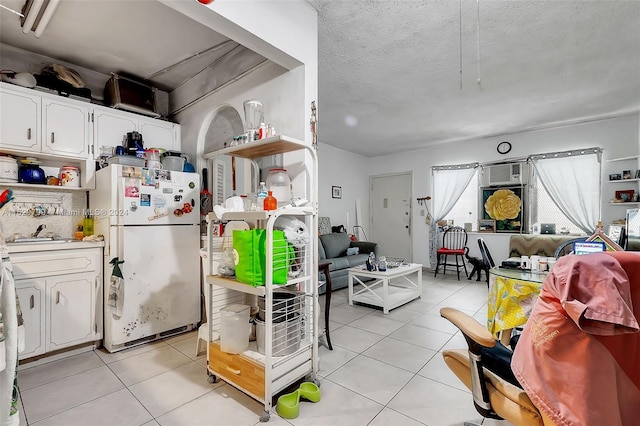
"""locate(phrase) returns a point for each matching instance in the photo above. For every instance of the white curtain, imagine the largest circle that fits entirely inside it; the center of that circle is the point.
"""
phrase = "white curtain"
(449, 182)
(572, 180)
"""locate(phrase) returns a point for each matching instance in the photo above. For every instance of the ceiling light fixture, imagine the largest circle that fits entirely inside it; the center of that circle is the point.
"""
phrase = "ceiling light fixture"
(37, 14)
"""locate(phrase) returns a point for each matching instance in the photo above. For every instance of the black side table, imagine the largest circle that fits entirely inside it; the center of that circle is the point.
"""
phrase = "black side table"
(324, 268)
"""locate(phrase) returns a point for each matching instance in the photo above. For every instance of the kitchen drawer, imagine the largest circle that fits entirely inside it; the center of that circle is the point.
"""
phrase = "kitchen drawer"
(237, 369)
(43, 264)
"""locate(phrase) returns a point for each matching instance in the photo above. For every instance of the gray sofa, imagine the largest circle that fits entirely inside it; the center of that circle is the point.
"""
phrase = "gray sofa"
(333, 248)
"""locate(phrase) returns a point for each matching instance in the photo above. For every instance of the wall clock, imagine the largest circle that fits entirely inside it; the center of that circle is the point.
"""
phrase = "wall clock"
(504, 147)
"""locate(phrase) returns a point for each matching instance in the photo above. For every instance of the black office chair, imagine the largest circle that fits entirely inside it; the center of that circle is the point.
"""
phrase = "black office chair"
(487, 260)
(567, 247)
(454, 242)
(485, 368)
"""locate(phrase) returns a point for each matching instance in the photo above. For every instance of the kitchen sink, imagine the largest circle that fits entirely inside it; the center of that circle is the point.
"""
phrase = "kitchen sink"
(38, 240)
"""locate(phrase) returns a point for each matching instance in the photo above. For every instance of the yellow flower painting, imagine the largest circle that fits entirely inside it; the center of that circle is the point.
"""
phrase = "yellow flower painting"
(504, 205)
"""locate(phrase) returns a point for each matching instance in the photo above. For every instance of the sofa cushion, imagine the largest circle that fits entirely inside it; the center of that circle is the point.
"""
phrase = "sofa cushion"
(357, 260)
(321, 254)
(335, 244)
(532, 244)
(338, 263)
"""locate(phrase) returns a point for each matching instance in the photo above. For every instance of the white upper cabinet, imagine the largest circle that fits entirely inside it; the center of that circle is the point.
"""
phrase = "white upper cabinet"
(19, 121)
(160, 134)
(110, 126)
(66, 128)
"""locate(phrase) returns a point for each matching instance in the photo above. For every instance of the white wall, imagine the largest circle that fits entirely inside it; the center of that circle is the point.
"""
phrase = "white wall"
(286, 34)
(617, 136)
(338, 167)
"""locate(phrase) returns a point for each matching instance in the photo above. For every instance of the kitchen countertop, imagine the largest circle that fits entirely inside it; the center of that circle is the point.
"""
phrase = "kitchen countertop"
(52, 245)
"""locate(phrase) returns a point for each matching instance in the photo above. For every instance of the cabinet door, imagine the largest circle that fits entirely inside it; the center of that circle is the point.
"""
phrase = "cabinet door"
(19, 121)
(159, 134)
(66, 128)
(109, 128)
(31, 296)
(71, 310)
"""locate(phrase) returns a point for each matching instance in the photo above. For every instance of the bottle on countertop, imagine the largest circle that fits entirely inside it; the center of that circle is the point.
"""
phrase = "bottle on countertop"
(382, 263)
(371, 262)
(262, 194)
(87, 225)
(270, 202)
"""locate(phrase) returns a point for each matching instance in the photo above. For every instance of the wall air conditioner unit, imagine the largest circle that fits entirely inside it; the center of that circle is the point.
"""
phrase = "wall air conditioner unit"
(505, 174)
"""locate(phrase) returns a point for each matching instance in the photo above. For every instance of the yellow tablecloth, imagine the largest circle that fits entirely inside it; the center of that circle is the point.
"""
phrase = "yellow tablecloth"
(511, 299)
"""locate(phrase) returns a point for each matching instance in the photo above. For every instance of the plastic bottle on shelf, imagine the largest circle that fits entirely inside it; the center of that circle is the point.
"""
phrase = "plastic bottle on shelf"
(262, 194)
(270, 203)
(279, 183)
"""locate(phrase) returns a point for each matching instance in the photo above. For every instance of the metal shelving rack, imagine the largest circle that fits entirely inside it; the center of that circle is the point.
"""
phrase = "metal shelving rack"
(263, 376)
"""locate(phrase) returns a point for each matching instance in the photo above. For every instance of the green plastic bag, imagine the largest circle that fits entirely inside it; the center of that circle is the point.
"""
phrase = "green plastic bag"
(250, 256)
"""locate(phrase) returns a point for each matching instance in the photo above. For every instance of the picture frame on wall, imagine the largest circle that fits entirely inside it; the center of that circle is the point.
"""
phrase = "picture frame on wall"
(336, 192)
(615, 176)
(637, 175)
(505, 205)
(486, 225)
(626, 174)
(625, 196)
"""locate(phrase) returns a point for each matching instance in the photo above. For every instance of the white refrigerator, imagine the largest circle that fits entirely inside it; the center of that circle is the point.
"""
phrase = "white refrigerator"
(150, 218)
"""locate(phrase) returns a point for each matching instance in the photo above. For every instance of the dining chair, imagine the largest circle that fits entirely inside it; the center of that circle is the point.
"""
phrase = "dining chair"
(567, 247)
(487, 260)
(454, 242)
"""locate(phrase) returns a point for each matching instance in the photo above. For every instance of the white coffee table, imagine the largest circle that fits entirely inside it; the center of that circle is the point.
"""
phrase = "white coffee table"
(382, 291)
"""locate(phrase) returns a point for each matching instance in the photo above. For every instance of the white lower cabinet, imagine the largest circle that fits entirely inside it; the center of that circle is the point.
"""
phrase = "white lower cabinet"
(31, 296)
(60, 309)
(70, 300)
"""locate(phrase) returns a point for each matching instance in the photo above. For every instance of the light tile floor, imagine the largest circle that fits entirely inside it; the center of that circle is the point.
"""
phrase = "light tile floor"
(384, 370)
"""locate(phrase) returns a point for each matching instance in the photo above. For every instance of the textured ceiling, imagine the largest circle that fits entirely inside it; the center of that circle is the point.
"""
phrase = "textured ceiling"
(389, 71)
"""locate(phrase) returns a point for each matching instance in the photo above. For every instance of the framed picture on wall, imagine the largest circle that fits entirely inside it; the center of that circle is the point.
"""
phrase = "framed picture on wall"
(506, 206)
(625, 196)
(336, 192)
(486, 225)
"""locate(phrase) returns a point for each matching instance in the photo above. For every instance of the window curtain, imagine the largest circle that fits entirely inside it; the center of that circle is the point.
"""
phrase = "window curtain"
(572, 180)
(449, 182)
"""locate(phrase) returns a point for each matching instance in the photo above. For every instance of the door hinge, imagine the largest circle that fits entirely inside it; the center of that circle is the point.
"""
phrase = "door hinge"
(91, 118)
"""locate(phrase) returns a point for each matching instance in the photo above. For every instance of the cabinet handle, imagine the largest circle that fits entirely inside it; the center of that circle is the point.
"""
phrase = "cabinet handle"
(57, 297)
(29, 133)
(236, 372)
(53, 137)
(32, 302)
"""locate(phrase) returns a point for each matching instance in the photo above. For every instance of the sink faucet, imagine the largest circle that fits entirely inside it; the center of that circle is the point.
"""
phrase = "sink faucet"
(40, 228)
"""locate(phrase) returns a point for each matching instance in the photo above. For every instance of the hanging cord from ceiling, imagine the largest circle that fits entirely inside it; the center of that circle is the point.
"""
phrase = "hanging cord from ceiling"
(479, 81)
(460, 23)
(12, 11)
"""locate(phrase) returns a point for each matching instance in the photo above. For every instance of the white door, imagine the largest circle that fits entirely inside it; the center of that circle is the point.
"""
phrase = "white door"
(158, 134)
(391, 214)
(161, 273)
(66, 129)
(71, 309)
(109, 128)
(31, 296)
(19, 121)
